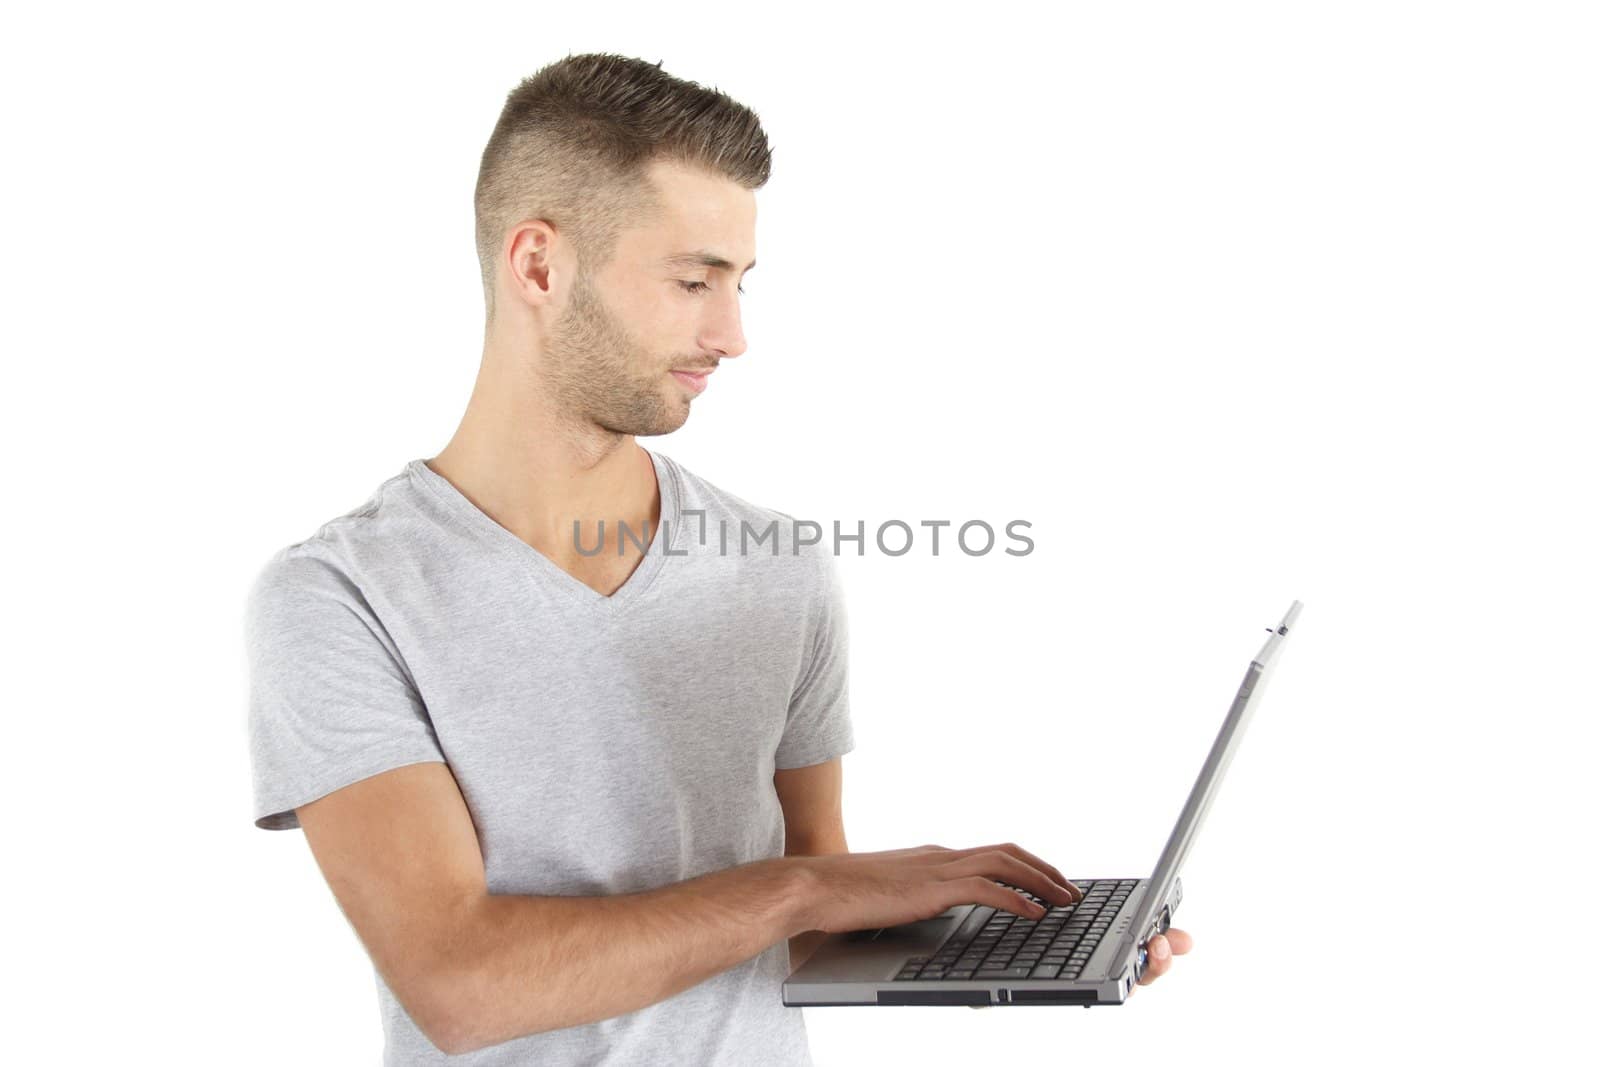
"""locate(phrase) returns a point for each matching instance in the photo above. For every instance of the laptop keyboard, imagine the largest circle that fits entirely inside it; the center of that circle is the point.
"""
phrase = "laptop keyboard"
(1009, 946)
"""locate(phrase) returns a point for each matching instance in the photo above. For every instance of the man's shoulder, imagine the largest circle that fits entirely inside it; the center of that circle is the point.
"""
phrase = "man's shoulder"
(722, 517)
(697, 492)
(334, 556)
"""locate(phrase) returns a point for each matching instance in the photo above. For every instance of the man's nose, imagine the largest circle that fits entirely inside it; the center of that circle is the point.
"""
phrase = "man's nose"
(725, 335)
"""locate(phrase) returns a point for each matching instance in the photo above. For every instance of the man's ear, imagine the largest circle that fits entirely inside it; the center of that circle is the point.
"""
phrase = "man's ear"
(529, 262)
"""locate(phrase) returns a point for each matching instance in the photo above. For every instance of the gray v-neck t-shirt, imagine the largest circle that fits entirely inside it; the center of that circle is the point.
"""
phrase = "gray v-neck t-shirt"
(603, 744)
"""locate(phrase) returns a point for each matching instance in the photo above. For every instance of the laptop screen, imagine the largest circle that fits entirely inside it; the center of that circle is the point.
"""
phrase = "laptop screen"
(1205, 786)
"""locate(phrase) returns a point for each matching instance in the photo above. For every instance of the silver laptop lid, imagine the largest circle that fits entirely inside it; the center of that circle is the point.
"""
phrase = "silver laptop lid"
(1194, 812)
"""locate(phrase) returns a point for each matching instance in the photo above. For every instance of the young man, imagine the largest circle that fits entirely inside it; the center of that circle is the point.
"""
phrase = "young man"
(584, 806)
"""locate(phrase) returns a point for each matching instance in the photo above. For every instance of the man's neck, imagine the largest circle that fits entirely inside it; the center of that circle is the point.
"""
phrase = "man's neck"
(535, 482)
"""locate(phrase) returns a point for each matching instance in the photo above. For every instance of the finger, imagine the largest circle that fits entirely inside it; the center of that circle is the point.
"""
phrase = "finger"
(1158, 960)
(1013, 871)
(1028, 864)
(1029, 858)
(1179, 940)
(977, 889)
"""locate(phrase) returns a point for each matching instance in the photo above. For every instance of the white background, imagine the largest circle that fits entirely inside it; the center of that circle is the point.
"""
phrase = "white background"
(1236, 304)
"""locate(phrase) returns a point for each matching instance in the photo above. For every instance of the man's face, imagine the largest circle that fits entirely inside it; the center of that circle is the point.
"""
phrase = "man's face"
(646, 314)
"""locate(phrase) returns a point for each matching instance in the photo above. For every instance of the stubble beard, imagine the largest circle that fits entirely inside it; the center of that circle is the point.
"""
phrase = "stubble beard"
(601, 375)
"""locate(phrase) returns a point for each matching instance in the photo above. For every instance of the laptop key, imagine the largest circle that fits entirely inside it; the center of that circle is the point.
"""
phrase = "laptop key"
(1046, 970)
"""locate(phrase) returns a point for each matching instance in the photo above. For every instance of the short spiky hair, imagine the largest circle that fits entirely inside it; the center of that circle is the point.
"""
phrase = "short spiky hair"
(573, 141)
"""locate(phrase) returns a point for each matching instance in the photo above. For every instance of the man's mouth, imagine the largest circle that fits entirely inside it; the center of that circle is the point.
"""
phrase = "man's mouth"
(694, 381)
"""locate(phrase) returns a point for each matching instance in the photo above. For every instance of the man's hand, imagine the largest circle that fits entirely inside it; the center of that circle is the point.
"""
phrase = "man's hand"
(861, 890)
(1161, 949)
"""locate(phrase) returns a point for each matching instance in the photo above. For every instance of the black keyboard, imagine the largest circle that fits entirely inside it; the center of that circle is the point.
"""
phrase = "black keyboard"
(999, 944)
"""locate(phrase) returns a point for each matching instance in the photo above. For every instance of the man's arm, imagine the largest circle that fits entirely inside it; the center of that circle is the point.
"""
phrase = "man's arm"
(813, 816)
(474, 969)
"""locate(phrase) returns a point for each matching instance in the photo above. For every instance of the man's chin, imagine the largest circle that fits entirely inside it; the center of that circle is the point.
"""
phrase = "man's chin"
(668, 425)
(674, 413)
(663, 423)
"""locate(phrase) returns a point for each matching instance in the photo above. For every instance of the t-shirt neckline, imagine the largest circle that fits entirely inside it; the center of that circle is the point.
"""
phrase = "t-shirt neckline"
(542, 567)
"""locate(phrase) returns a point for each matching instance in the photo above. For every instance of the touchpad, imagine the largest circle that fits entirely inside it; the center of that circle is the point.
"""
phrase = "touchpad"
(920, 930)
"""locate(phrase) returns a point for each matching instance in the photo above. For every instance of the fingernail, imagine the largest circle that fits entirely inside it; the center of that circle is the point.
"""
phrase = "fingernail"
(1162, 951)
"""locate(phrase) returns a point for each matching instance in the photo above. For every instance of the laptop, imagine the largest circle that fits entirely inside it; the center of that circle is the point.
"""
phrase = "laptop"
(1088, 953)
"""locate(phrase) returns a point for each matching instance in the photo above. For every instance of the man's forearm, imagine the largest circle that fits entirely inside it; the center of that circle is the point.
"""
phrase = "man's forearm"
(526, 964)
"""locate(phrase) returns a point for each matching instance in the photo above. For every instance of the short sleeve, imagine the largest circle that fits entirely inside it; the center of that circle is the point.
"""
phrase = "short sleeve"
(330, 701)
(818, 726)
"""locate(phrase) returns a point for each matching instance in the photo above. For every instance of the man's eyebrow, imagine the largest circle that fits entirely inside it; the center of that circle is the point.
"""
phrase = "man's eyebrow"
(701, 259)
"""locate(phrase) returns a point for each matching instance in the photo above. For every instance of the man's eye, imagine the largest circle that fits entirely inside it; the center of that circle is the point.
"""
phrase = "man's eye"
(697, 287)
